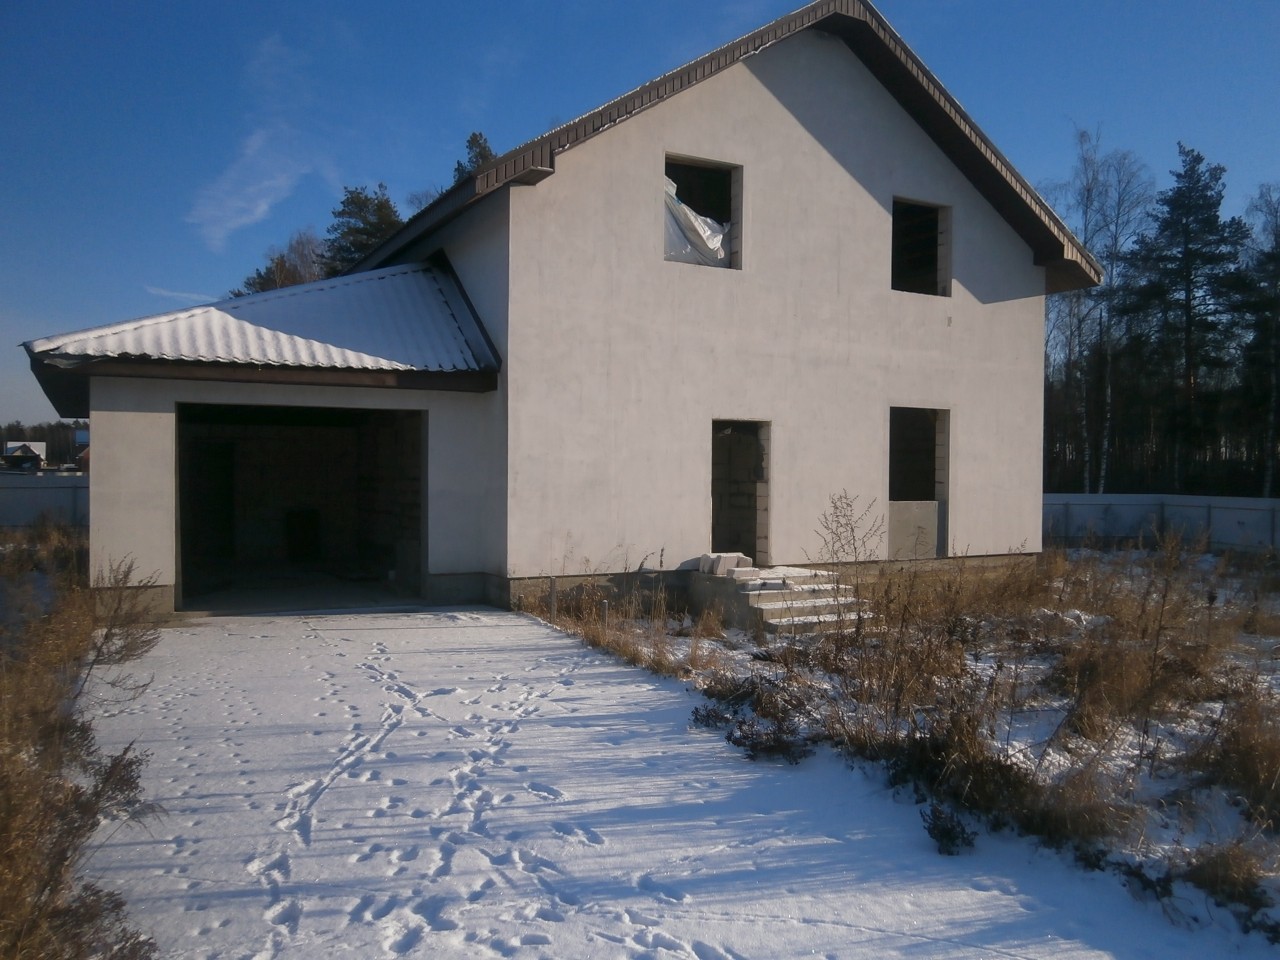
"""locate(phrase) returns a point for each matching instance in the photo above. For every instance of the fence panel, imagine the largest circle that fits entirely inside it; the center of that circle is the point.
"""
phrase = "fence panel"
(25, 499)
(1228, 523)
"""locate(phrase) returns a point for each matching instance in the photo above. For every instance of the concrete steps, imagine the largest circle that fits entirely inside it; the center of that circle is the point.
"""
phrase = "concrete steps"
(787, 600)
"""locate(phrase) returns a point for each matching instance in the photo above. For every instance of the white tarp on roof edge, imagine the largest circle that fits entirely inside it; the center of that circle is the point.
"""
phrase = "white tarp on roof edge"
(398, 318)
(691, 237)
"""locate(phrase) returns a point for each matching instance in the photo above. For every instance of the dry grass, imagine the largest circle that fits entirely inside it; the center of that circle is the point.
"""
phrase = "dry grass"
(56, 785)
(1059, 696)
(1242, 752)
(1231, 873)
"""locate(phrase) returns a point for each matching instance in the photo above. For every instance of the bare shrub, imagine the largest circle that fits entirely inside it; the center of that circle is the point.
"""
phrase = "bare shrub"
(946, 829)
(1082, 810)
(56, 784)
(890, 668)
(1231, 873)
(1052, 695)
(1243, 753)
(1157, 640)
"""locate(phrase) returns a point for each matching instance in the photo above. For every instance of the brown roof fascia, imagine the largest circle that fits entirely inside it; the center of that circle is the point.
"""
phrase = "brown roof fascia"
(68, 387)
(1068, 264)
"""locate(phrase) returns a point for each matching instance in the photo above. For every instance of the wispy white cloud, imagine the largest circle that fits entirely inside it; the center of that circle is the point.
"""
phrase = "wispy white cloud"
(273, 157)
(191, 298)
(266, 171)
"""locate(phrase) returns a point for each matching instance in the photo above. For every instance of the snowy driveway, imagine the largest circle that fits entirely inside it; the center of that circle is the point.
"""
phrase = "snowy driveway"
(473, 783)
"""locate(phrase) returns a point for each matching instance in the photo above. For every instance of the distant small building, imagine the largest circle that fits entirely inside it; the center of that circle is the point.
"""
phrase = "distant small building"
(27, 456)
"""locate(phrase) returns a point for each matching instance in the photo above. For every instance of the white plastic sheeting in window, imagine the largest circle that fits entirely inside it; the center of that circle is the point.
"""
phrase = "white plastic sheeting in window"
(691, 237)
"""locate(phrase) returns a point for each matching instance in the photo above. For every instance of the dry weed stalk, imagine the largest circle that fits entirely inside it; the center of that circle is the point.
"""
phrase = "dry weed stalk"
(60, 649)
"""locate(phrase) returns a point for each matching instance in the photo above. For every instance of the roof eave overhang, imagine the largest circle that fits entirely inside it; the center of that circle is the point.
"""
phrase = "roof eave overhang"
(67, 387)
(1068, 265)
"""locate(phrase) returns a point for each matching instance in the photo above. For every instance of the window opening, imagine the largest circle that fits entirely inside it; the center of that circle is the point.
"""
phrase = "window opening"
(919, 249)
(702, 212)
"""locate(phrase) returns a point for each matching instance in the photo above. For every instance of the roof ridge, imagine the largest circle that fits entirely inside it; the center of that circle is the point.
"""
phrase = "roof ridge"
(873, 40)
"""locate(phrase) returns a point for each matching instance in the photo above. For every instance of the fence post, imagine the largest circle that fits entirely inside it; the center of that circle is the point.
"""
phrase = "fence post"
(604, 616)
(552, 591)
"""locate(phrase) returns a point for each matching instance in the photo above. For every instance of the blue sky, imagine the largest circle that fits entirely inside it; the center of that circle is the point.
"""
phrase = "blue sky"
(151, 152)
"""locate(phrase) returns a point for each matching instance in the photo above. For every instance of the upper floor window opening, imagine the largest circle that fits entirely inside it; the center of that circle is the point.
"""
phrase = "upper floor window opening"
(703, 212)
(921, 262)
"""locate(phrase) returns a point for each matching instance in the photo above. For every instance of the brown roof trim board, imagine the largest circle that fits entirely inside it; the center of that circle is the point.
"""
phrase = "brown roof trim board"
(68, 387)
(1068, 265)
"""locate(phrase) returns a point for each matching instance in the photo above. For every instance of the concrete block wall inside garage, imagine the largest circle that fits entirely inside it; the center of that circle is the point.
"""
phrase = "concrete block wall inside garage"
(274, 493)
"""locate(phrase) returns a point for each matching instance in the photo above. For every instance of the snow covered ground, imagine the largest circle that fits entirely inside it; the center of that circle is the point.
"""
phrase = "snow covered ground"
(474, 783)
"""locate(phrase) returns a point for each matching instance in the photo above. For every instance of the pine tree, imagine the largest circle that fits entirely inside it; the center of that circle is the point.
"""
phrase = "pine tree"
(362, 221)
(1183, 271)
(478, 154)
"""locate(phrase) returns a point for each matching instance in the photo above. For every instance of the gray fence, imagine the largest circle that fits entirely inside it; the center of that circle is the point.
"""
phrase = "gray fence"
(1229, 523)
(62, 497)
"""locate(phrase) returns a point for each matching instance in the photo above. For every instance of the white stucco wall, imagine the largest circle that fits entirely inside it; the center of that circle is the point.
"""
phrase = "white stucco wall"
(133, 486)
(618, 361)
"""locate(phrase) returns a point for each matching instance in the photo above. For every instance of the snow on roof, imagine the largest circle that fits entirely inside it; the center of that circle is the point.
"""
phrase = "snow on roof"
(398, 318)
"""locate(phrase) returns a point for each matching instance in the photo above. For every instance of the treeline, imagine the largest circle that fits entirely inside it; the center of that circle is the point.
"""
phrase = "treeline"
(1164, 378)
(364, 219)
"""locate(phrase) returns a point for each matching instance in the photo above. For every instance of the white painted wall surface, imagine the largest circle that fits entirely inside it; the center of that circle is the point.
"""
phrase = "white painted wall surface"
(618, 361)
(133, 482)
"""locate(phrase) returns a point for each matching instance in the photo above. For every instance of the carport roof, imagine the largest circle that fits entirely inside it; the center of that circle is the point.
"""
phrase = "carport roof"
(398, 321)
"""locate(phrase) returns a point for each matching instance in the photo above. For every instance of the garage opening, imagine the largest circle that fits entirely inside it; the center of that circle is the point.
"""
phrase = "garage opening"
(740, 488)
(298, 507)
(918, 480)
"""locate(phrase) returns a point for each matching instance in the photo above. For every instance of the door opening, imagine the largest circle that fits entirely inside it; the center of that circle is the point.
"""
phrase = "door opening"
(298, 507)
(740, 488)
(918, 480)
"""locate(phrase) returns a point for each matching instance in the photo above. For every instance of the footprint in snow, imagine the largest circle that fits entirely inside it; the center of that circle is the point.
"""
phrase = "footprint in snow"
(405, 855)
(285, 914)
(431, 909)
(661, 891)
(576, 832)
(546, 791)
(274, 866)
(399, 938)
(638, 919)
(705, 951)
(360, 912)
(657, 940)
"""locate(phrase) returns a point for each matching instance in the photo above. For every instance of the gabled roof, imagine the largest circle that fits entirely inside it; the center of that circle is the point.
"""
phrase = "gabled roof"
(1068, 265)
(399, 326)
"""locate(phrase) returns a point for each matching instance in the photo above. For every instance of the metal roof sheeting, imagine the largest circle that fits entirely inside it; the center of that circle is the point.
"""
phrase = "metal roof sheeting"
(399, 318)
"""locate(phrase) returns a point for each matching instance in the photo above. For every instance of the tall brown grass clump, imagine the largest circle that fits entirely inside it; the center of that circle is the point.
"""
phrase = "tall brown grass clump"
(1242, 751)
(1231, 873)
(1157, 639)
(63, 647)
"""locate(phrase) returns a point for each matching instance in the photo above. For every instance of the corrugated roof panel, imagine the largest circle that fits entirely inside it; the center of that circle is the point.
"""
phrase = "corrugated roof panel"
(398, 318)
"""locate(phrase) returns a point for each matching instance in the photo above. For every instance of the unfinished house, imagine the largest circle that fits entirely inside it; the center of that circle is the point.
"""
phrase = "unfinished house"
(677, 324)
